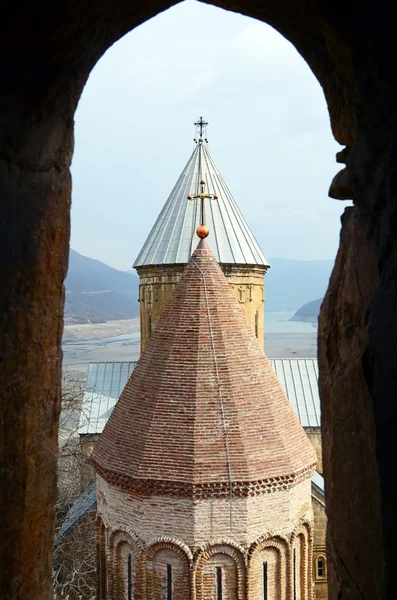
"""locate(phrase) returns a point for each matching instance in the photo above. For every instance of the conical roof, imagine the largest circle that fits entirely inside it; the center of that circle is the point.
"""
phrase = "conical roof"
(172, 239)
(203, 409)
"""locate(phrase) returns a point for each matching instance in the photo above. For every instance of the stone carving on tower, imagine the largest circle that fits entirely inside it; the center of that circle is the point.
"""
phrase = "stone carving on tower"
(203, 469)
(171, 242)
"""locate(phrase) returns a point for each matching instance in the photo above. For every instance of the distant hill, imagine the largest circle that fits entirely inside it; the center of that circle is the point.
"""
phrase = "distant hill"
(308, 312)
(289, 284)
(96, 292)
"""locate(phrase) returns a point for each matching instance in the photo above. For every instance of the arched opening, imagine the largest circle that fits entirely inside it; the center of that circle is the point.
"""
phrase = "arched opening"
(167, 573)
(220, 578)
(320, 567)
(125, 566)
(37, 138)
(101, 560)
(220, 574)
(300, 567)
(268, 571)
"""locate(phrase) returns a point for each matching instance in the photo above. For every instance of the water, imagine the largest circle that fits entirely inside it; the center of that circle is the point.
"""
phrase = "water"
(282, 338)
(278, 322)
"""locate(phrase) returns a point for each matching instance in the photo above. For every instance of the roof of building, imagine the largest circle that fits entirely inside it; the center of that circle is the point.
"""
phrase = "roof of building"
(106, 380)
(203, 404)
(84, 504)
(172, 239)
(318, 483)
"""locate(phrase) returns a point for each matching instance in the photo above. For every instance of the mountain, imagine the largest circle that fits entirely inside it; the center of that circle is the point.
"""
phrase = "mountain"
(308, 312)
(289, 284)
(96, 292)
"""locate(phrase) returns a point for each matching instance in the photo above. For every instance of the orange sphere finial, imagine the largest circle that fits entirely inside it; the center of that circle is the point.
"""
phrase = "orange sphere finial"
(202, 231)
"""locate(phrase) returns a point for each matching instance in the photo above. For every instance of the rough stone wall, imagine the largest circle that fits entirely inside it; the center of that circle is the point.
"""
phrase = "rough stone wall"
(157, 283)
(351, 50)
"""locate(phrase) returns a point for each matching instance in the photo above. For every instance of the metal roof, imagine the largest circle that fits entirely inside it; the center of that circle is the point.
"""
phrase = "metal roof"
(299, 378)
(104, 383)
(172, 239)
(106, 380)
(84, 504)
(318, 483)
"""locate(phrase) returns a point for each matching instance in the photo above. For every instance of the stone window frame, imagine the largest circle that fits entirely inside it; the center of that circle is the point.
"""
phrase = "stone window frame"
(206, 552)
(317, 577)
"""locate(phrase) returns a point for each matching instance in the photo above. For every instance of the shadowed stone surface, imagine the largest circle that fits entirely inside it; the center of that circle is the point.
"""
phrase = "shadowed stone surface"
(48, 50)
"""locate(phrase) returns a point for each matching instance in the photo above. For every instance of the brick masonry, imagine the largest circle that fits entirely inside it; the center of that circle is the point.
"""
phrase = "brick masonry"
(157, 283)
(203, 469)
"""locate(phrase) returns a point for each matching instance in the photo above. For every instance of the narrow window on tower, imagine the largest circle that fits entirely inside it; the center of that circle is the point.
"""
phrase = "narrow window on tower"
(265, 581)
(149, 324)
(169, 582)
(321, 566)
(256, 324)
(294, 574)
(219, 595)
(129, 577)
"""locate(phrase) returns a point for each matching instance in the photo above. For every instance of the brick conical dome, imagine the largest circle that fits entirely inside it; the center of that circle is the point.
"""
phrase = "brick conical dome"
(203, 409)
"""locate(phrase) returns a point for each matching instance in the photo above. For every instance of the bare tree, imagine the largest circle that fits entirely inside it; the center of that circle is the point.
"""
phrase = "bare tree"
(74, 553)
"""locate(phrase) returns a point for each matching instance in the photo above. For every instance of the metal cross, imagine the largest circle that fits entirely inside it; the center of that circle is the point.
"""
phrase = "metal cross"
(201, 126)
(202, 196)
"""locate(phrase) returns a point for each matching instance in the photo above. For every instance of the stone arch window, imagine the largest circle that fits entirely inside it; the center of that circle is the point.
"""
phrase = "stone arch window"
(149, 324)
(300, 565)
(124, 567)
(220, 578)
(220, 569)
(257, 324)
(167, 573)
(321, 567)
(101, 560)
(268, 571)
(241, 294)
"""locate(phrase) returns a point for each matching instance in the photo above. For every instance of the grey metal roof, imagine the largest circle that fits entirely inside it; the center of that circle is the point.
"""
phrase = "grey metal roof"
(84, 504)
(106, 380)
(104, 383)
(299, 378)
(318, 483)
(172, 239)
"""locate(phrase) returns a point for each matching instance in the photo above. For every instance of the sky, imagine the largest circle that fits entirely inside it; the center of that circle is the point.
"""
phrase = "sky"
(269, 134)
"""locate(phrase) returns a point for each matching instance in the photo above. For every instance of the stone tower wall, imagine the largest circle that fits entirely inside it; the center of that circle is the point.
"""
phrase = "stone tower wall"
(157, 283)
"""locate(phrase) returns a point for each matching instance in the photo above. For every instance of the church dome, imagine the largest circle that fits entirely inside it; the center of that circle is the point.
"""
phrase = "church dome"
(203, 412)
(172, 239)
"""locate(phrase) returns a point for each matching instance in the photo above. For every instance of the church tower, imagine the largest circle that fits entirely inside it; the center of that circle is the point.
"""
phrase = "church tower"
(171, 243)
(203, 470)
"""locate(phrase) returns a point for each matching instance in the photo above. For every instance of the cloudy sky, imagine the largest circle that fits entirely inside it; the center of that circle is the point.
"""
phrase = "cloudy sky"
(269, 134)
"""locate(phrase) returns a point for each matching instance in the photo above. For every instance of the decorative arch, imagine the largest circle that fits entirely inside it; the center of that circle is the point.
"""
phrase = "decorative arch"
(235, 567)
(101, 559)
(274, 551)
(301, 560)
(123, 561)
(167, 566)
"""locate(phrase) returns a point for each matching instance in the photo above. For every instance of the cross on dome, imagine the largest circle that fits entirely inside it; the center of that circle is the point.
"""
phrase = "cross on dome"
(202, 230)
(201, 128)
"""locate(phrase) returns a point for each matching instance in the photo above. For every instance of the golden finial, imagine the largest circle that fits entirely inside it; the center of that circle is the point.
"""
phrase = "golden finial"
(202, 230)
